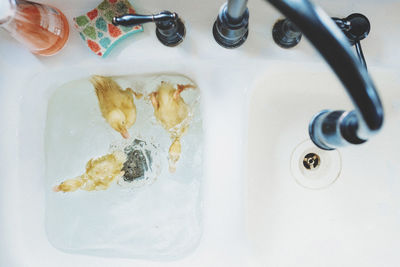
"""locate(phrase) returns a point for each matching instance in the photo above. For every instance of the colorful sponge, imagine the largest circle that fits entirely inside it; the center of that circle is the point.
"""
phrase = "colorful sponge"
(98, 32)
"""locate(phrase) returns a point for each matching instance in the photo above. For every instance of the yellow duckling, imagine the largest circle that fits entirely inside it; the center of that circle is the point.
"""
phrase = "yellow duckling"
(170, 110)
(116, 105)
(99, 174)
(169, 107)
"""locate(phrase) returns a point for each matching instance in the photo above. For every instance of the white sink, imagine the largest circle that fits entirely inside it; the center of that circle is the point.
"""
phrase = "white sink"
(23, 198)
(256, 102)
(346, 208)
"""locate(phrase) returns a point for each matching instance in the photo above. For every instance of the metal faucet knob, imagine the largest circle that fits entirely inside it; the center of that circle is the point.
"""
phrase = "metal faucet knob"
(170, 29)
(357, 27)
(230, 32)
(286, 34)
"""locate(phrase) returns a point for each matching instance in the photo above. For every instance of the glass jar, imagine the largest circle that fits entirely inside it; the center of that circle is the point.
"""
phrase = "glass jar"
(41, 28)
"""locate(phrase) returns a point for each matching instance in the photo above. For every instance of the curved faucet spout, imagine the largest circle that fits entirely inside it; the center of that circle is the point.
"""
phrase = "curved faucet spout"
(331, 129)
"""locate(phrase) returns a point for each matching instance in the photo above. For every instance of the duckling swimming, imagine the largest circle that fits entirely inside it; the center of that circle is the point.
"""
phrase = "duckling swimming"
(99, 175)
(116, 105)
(171, 110)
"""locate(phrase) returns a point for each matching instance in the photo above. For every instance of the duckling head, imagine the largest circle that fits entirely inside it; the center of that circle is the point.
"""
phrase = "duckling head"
(117, 119)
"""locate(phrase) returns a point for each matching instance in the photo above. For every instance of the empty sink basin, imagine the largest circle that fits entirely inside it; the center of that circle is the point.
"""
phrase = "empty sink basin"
(320, 207)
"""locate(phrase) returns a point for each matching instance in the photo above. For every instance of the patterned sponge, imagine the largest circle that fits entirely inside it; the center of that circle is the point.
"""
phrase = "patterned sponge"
(98, 32)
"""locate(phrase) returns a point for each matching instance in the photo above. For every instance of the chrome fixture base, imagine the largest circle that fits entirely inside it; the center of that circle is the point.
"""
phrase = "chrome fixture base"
(229, 32)
(331, 129)
(286, 34)
(171, 34)
(170, 29)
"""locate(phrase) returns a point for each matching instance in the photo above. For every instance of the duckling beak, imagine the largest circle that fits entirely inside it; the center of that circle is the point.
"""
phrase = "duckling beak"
(125, 134)
(56, 188)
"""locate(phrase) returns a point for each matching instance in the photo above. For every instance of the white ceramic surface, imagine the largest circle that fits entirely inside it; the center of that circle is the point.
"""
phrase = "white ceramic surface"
(351, 222)
(355, 218)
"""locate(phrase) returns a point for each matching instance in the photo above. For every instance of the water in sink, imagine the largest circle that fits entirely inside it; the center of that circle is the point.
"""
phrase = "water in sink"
(156, 219)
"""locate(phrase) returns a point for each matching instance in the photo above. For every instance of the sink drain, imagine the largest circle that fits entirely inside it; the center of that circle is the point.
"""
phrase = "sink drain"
(313, 167)
(311, 161)
(143, 161)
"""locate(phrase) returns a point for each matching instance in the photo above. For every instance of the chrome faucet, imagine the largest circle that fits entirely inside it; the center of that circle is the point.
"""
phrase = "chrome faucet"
(170, 29)
(329, 129)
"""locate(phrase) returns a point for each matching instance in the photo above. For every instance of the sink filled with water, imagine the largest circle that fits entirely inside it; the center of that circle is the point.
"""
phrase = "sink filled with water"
(249, 188)
(155, 214)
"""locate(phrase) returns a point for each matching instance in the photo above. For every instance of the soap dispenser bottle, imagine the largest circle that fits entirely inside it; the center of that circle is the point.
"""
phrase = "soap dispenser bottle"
(41, 28)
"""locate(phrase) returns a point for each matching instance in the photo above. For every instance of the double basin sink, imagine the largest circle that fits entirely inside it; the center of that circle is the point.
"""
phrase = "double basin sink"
(257, 202)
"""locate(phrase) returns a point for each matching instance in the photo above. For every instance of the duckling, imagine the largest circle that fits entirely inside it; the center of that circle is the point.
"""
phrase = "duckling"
(117, 106)
(169, 107)
(171, 110)
(99, 174)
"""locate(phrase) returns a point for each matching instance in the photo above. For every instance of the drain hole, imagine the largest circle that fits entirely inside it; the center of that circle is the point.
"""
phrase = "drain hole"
(311, 161)
(313, 167)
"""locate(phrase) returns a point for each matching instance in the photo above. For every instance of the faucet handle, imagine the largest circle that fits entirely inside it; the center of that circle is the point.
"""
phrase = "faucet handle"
(170, 30)
(136, 19)
(356, 27)
(286, 34)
